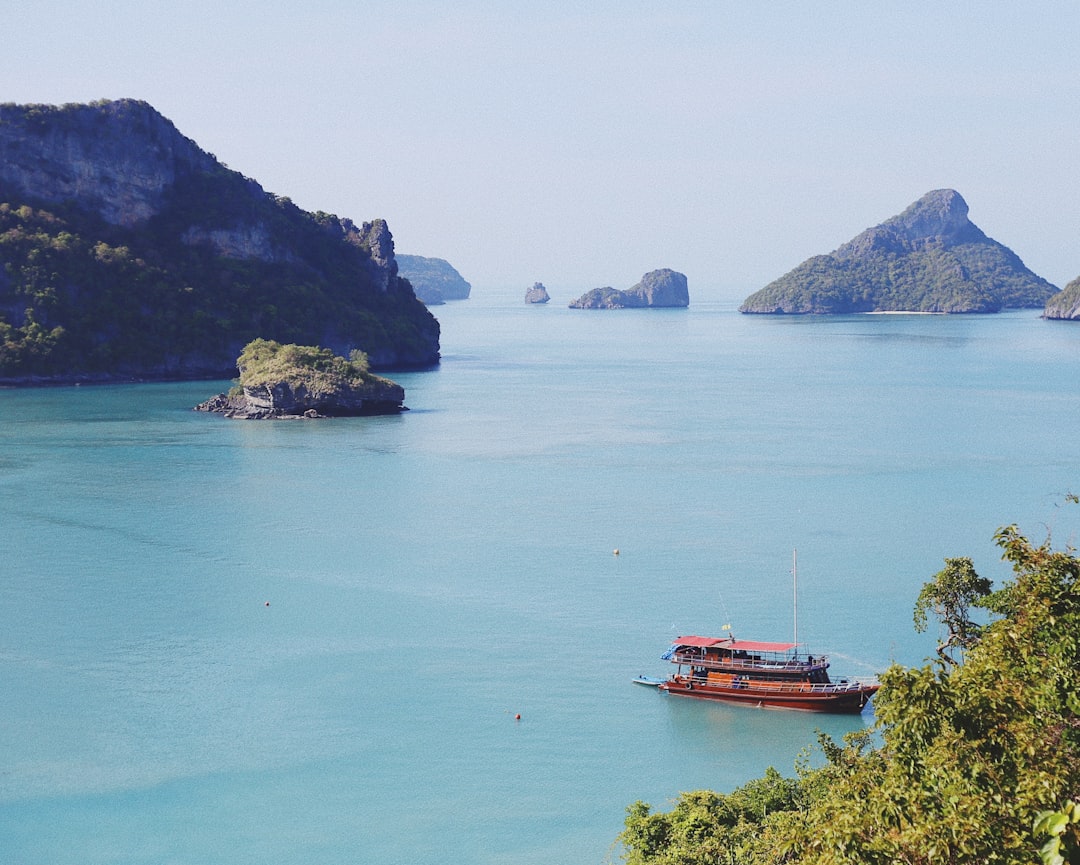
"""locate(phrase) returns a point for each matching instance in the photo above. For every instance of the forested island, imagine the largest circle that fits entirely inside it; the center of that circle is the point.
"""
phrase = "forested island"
(304, 381)
(973, 758)
(434, 280)
(126, 251)
(930, 258)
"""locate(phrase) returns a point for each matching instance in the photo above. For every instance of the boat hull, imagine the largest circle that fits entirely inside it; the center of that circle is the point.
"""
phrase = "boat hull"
(836, 697)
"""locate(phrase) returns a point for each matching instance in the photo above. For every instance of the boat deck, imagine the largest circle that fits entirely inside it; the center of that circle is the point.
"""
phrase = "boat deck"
(750, 664)
(842, 696)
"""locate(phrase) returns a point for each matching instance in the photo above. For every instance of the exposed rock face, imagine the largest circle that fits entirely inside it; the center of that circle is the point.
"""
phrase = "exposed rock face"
(163, 263)
(930, 258)
(374, 238)
(280, 401)
(658, 288)
(1065, 304)
(118, 158)
(537, 294)
(433, 279)
(243, 242)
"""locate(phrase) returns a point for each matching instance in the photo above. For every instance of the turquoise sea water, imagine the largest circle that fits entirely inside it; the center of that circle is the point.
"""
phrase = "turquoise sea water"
(241, 642)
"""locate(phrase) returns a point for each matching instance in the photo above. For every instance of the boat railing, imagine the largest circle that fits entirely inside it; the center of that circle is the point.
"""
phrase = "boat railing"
(750, 663)
(836, 687)
(841, 686)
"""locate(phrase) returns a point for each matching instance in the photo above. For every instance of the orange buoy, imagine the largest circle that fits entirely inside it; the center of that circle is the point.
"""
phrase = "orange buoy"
(517, 717)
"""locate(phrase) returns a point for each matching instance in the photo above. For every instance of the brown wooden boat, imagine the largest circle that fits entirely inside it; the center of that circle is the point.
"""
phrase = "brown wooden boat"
(761, 674)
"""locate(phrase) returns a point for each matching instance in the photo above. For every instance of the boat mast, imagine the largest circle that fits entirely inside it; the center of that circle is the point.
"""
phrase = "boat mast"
(795, 594)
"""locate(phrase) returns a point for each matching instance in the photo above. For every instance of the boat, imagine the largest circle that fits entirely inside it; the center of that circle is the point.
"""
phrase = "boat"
(771, 675)
(648, 681)
(774, 675)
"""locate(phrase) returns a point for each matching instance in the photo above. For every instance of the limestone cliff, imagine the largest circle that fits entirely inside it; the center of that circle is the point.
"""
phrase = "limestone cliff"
(129, 252)
(930, 258)
(116, 158)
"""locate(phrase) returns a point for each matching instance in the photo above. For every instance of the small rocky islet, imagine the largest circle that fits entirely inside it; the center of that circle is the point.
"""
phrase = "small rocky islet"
(280, 382)
(537, 293)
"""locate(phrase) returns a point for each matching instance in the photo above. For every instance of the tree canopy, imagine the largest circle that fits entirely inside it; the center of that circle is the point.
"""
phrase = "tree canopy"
(950, 594)
(972, 762)
(264, 362)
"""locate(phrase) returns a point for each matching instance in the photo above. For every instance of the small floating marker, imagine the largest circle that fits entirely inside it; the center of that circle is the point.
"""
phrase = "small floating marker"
(268, 603)
(615, 552)
(517, 717)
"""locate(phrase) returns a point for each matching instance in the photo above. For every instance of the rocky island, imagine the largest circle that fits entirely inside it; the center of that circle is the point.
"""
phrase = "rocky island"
(658, 288)
(128, 252)
(299, 381)
(537, 294)
(930, 258)
(1065, 305)
(434, 280)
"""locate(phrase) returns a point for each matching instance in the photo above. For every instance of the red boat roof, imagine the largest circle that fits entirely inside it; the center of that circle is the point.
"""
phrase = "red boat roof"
(700, 641)
(735, 645)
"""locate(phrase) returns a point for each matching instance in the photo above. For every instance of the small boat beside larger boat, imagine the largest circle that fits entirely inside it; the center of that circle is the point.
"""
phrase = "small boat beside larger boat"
(761, 674)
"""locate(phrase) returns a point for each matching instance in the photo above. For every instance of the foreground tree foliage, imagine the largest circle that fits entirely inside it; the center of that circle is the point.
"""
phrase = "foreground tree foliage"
(973, 762)
(950, 594)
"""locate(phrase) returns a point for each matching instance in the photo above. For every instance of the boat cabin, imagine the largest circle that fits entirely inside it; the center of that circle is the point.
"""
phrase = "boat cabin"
(752, 658)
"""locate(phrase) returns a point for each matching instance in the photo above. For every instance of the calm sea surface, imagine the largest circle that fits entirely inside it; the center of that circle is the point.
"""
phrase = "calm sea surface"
(240, 642)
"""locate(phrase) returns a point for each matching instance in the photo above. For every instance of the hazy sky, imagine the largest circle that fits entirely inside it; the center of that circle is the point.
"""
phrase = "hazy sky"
(583, 144)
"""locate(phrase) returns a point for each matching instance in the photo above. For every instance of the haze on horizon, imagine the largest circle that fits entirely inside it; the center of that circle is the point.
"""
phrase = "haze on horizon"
(584, 144)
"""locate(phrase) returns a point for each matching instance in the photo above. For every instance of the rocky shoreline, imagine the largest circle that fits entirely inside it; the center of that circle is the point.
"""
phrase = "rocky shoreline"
(281, 402)
(77, 380)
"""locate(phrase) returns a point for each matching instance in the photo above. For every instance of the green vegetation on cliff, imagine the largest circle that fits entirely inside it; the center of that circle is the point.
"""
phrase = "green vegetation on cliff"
(127, 251)
(974, 758)
(930, 258)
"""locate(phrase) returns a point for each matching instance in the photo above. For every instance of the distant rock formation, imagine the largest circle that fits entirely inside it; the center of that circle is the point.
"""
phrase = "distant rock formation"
(537, 294)
(1065, 304)
(127, 252)
(930, 258)
(433, 279)
(658, 288)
